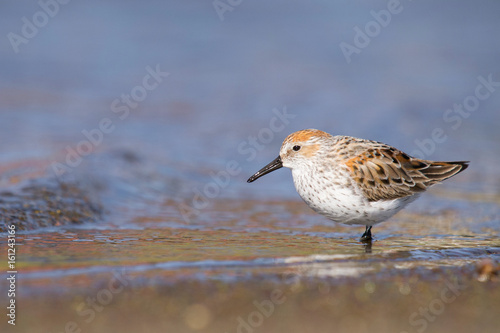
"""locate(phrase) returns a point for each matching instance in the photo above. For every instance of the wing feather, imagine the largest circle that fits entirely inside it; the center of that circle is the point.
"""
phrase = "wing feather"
(384, 173)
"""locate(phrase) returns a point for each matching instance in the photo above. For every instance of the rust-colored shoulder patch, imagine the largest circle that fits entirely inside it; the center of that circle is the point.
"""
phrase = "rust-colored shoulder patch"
(305, 135)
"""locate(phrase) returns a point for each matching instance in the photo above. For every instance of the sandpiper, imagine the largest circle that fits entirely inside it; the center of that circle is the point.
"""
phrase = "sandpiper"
(355, 181)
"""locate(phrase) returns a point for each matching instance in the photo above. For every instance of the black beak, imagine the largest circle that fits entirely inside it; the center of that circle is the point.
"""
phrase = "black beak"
(274, 165)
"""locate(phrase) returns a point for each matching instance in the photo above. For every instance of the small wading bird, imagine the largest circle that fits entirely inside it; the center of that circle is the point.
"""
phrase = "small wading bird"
(355, 181)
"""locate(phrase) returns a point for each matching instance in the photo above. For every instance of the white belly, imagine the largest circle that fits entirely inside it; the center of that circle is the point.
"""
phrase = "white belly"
(340, 200)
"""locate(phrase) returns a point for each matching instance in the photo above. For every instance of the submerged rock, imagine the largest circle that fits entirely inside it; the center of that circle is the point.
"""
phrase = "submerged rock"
(43, 203)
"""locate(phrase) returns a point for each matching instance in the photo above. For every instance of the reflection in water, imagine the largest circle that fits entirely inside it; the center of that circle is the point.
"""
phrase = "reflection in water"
(368, 246)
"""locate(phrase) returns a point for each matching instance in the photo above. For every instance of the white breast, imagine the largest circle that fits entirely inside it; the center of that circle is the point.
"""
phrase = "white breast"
(334, 194)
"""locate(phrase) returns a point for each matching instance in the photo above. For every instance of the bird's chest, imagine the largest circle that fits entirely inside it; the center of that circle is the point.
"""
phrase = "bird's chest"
(331, 192)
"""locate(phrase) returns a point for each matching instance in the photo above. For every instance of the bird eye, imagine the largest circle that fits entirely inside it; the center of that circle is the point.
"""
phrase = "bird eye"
(296, 148)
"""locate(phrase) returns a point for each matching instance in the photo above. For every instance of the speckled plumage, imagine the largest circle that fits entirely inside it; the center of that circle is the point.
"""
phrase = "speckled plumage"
(355, 181)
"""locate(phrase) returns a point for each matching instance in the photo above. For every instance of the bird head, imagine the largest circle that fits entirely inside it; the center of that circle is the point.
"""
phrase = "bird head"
(298, 150)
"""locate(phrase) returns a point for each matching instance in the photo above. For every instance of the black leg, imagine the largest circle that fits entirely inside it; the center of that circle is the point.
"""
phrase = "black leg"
(367, 236)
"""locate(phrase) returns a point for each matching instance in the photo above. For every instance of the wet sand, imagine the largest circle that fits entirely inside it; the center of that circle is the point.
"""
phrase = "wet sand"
(266, 275)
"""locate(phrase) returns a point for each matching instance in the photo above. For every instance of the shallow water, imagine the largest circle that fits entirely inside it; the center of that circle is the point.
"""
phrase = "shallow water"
(152, 226)
(184, 277)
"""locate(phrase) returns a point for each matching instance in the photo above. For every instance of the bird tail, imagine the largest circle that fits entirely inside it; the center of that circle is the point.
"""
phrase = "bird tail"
(439, 171)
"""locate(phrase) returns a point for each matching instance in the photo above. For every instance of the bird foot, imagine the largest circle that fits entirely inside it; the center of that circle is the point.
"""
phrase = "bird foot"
(366, 239)
(367, 235)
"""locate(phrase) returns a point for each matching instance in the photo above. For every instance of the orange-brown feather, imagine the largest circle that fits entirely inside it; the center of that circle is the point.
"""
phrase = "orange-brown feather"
(385, 173)
(305, 135)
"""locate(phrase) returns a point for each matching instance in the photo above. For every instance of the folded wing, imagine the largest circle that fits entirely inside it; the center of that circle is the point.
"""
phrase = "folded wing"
(385, 173)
